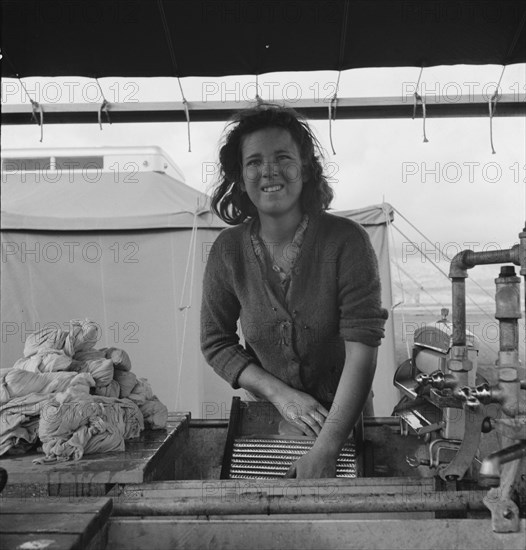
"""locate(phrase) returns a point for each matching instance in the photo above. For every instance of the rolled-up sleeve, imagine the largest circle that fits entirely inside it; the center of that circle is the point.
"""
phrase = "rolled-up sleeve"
(362, 317)
(219, 315)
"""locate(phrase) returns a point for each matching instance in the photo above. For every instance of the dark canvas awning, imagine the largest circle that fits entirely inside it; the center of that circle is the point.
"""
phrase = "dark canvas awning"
(147, 38)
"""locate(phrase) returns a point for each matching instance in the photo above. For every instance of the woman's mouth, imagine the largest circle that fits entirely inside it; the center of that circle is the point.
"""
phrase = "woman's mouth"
(272, 188)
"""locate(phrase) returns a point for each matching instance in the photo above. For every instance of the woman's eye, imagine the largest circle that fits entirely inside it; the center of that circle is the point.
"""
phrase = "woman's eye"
(252, 163)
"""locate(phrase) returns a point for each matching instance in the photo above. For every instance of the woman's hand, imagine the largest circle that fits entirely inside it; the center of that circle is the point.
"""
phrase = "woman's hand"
(313, 465)
(296, 407)
(301, 410)
(349, 400)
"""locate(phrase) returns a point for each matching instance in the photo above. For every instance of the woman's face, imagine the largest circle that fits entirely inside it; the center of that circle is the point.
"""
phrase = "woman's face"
(272, 171)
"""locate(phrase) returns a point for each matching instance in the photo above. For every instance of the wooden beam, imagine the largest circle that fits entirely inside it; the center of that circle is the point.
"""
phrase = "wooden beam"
(306, 534)
(262, 503)
(207, 111)
(59, 523)
(325, 489)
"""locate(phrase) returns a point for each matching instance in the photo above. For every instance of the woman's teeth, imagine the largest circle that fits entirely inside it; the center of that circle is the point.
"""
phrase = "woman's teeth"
(272, 188)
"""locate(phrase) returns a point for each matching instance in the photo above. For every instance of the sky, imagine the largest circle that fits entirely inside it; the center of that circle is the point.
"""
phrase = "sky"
(452, 188)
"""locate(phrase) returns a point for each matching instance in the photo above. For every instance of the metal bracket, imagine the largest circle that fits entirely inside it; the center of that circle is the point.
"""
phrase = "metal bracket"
(469, 446)
(504, 512)
(441, 444)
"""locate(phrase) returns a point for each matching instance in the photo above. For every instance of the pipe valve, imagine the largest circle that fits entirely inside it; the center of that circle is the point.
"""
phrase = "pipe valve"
(459, 361)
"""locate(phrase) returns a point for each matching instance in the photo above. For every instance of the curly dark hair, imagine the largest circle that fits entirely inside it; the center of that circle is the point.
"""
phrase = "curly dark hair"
(233, 205)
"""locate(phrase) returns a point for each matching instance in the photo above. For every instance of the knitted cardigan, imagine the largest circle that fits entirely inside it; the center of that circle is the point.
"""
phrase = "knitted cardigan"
(334, 297)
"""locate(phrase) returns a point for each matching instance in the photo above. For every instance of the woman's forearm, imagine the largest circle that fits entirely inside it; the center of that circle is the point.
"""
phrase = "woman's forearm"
(351, 395)
(261, 383)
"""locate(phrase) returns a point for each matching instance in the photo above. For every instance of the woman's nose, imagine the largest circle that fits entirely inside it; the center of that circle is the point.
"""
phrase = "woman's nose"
(269, 169)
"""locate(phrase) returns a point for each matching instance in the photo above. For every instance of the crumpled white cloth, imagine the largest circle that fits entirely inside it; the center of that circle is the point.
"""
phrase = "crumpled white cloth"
(45, 339)
(17, 420)
(155, 414)
(127, 381)
(142, 392)
(120, 359)
(45, 360)
(75, 423)
(17, 415)
(111, 390)
(48, 396)
(100, 369)
(81, 336)
(19, 382)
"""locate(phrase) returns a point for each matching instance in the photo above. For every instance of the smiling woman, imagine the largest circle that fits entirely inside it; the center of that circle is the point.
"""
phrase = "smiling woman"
(272, 172)
(248, 153)
(303, 283)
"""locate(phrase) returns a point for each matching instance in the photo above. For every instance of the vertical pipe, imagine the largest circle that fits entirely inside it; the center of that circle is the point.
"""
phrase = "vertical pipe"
(509, 335)
(467, 259)
(459, 311)
(508, 313)
(522, 260)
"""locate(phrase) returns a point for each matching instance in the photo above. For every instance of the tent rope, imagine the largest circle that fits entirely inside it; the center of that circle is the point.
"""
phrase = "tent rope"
(401, 285)
(417, 97)
(492, 106)
(333, 103)
(35, 106)
(389, 223)
(445, 256)
(190, 267)
(103, 107)
(258, 97)
(187, 114)
(36, 109)
(441, 270)
(419, 285)
(175, 68)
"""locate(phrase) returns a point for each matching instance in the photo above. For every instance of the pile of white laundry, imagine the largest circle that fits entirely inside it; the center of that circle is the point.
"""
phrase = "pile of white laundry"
(73, 399)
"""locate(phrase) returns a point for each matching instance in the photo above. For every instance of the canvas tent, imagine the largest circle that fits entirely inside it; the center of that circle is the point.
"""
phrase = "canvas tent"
(229, 37)
(216, 38)
(126, 259)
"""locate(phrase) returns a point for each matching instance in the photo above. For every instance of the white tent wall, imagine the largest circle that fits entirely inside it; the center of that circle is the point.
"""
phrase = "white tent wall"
(130, 281)
(375, 220)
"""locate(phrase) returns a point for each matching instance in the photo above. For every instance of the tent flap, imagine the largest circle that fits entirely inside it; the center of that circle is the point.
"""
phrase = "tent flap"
(154, 201)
